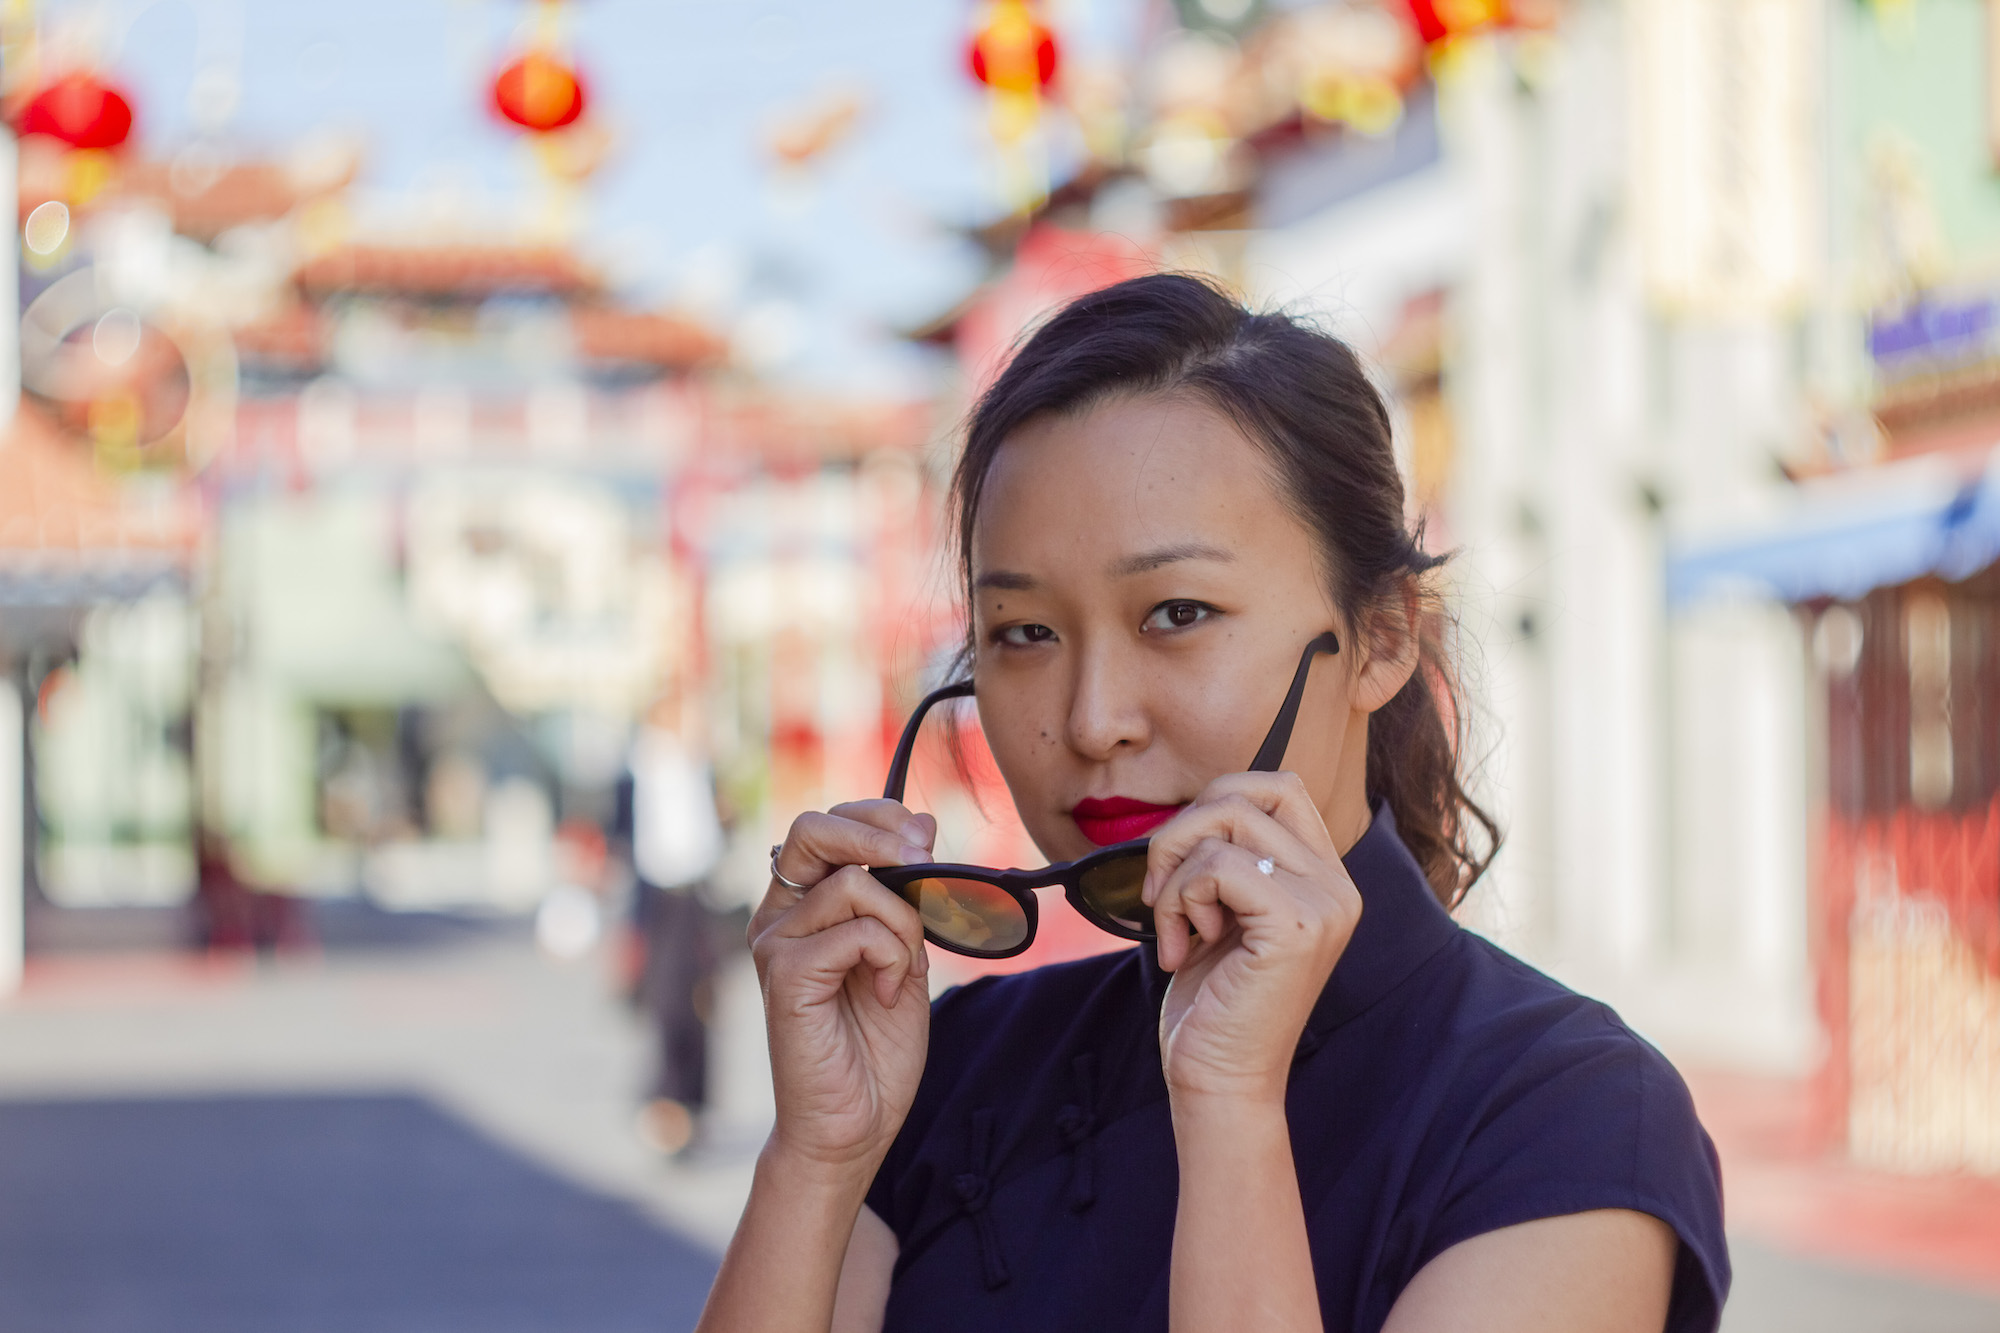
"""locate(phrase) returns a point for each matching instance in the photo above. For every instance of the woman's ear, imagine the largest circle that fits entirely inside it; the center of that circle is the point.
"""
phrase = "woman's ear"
(1389, 650)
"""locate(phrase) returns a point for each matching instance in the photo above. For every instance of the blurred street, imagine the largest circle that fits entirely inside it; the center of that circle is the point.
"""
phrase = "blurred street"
(430, 1136)
(473, 471)
(431, 1127)
(1782, 1293)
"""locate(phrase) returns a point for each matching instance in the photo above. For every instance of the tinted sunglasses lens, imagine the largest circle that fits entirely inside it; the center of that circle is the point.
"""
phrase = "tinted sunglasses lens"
(966, 913)
(1112, 890)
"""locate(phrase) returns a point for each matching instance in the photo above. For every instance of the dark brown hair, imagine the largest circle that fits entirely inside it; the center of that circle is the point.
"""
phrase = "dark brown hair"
(1303, 396)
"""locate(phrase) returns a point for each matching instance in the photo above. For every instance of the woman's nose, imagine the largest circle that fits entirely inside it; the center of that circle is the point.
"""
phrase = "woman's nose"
(1106, 714)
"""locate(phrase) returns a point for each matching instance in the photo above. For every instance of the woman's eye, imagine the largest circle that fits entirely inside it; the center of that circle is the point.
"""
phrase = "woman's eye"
(1177, 615)
(1020, 636)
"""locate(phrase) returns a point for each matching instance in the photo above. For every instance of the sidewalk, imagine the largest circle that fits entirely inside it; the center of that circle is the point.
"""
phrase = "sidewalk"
(436, 1137)
(426, 1139)
(1820, 1244)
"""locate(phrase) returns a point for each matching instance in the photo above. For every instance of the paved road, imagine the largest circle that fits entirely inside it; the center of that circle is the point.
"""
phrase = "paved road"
(439, 1138)
(259, 1213)
(432, 1138)
(1778, 1293)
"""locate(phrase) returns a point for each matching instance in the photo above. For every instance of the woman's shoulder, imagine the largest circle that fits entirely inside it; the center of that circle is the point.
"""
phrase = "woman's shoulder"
(1513, 1013)
(1548, 1103)
(1511, 1053)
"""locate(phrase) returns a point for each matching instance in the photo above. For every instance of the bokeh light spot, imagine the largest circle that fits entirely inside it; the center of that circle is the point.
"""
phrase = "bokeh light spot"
(116, 337)
(47, 227)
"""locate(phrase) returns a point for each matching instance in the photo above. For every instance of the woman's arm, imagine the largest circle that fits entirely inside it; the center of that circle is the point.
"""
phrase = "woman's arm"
(784, 1268)
(1254, 909)
(864, 1276)
(842, 966)
(1607, 1271)
(804, 1244)
(1240, 1258)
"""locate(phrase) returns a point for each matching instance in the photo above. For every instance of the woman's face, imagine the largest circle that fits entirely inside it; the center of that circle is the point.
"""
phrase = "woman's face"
(1142, 594)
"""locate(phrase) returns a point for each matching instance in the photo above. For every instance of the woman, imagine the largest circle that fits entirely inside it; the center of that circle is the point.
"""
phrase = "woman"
(1315, 1102)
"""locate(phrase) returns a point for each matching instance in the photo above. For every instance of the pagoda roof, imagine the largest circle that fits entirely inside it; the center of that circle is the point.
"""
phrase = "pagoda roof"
(71, 534)
(604, 333)
(203, 200)
(297, 336)
(206, 205)
(446, 270)
(294, 336)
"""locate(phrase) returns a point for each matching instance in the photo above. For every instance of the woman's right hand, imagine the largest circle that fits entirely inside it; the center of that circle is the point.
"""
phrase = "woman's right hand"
(843, 969)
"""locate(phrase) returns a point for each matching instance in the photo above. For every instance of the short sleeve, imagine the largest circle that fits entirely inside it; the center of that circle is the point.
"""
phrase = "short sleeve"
(1592, 1117)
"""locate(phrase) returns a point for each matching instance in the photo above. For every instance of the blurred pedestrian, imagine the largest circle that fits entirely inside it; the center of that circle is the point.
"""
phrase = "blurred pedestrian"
(669, 826)
(232, 916)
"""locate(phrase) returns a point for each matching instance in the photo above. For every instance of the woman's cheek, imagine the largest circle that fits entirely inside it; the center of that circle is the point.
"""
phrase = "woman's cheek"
(1028, 765)
(1025, 753)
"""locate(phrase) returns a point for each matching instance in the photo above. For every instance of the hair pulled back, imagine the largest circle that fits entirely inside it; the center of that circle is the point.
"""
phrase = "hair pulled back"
(1301, 395)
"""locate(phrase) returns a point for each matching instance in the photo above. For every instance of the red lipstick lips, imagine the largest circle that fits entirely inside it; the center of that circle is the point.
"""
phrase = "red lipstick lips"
(1119, 818)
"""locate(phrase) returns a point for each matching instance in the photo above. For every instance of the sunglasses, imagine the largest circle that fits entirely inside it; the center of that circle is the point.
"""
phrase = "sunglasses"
(986, 913)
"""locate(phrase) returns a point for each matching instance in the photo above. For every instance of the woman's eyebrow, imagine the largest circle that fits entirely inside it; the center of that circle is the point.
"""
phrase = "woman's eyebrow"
(1147, 561)
(1004, 579)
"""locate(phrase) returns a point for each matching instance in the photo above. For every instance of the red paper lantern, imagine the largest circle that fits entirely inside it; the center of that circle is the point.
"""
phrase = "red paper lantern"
(539, 93)
(80, 110)
(1014, 52)
(1430, 27)
(1439, 19)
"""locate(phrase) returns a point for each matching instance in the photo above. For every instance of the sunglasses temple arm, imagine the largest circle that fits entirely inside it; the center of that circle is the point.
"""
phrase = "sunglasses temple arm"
(1272, 752)
(899, 767)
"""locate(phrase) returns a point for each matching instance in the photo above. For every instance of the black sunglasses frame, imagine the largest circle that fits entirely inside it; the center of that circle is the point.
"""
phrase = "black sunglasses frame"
(1021, 884)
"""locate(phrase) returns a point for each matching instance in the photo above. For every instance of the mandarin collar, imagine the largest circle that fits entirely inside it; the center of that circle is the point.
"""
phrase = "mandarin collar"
(1402, 924)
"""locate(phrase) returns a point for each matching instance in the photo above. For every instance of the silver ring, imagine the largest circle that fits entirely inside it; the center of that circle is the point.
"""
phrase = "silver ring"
(1267, 866)
(779, 875)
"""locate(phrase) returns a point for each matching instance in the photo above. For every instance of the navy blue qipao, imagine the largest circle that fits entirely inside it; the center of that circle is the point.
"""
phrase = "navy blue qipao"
(1442, 1089)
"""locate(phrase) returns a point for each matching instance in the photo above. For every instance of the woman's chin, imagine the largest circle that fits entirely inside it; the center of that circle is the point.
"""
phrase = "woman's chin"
(1069, 844)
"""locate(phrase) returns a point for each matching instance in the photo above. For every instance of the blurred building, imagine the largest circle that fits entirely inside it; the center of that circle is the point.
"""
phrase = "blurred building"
(1724, 528)
(1884, 551)
(362, 547)
(362, 552)
(1686, 309)
(1699, 318)
(1637, 341)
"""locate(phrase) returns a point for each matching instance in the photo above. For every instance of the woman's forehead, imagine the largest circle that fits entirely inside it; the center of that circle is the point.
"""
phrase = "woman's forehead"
(1126, 481)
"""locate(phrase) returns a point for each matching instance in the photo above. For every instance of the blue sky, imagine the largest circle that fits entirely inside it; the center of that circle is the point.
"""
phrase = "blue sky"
(688, 203)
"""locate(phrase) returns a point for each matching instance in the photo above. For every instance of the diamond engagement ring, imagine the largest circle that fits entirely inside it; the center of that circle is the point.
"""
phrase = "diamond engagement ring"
(793, 884)
(1265, 864)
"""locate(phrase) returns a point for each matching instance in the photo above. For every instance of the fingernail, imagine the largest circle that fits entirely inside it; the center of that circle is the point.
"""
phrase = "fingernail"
(923, 961)
(914, 832)
(913, 855)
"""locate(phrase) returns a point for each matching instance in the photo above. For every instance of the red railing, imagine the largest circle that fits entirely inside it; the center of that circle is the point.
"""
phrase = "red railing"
(1906, 860)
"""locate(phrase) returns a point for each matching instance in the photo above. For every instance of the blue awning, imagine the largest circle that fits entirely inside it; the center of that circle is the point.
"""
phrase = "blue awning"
(1843, 538)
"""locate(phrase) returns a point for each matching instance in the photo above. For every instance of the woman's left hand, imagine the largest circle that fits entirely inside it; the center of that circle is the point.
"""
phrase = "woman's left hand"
(1250, 951)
